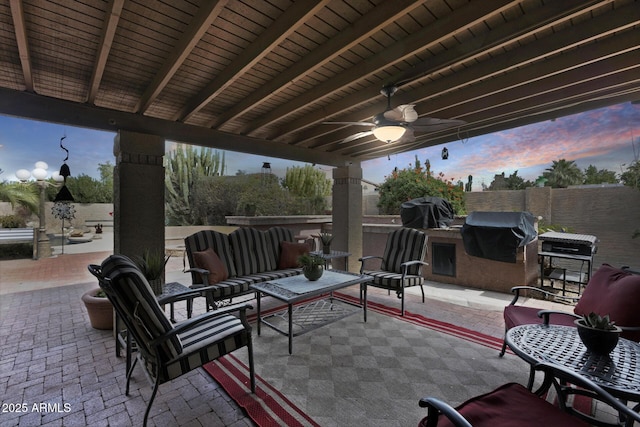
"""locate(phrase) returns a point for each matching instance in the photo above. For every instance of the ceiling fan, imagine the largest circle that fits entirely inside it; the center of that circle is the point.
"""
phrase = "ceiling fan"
(399, 123)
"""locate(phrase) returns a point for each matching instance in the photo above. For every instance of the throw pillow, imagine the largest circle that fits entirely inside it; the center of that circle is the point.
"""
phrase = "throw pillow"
(289, 253)
(209, 260)
(613, 291)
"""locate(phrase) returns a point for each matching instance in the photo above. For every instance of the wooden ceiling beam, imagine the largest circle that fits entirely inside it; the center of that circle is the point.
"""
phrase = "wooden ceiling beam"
(20, 29)
(419, 41)
(196, 30)
(379, 17)
(281, 28)
(439, 92)
(615, 54)
(37, 107)
(114, 9)
(550, 14)
(572, 99)
(508, 121)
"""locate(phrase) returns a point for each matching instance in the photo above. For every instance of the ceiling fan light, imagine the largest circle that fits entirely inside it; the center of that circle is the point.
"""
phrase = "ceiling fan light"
(389, 133)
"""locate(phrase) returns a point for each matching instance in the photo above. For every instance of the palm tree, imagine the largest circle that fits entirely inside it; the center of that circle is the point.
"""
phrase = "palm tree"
(26, 195)
(563, 173)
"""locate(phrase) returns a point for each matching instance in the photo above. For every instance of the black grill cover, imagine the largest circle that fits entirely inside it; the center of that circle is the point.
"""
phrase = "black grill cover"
(426, 212)
(497, 235)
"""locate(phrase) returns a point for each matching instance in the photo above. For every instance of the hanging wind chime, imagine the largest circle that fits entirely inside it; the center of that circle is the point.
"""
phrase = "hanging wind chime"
(62, 207)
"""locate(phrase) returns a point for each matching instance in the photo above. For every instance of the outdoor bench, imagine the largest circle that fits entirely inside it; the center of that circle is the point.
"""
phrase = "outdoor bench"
(19, 235)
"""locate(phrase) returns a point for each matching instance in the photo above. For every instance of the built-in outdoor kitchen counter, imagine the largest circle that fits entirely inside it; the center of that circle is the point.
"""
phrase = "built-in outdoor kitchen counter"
(449, 263)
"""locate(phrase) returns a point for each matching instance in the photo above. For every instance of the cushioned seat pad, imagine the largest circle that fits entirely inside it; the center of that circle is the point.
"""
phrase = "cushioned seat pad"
(241, 285)
(392, 280)
(511, 405)
(201, 343)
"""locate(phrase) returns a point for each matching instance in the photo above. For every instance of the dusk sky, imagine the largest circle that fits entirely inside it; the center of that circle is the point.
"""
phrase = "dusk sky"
(601, 137)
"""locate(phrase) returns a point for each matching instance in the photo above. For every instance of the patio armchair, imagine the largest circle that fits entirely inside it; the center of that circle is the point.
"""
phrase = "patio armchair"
(400, 266)
(609, 291)
(513, 404)
(165, 350)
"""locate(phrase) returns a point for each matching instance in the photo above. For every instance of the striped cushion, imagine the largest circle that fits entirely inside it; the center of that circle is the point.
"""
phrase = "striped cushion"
(250, 251)
(241, 285)
(275, 236)
(392, 280)
(215, 240)
(201, 345)
(130, 291)
(404, 244)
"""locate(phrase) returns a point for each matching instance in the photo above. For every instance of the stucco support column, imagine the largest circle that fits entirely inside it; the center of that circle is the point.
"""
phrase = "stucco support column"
(347, 212)
(138, 193)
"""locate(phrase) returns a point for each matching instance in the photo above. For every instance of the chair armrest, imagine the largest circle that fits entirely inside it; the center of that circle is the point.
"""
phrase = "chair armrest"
(437, 407)
(365, 258)
(179, 297)
(205, 317)
(204, 273)
(408, 264)
(546, 314)
(516, 290)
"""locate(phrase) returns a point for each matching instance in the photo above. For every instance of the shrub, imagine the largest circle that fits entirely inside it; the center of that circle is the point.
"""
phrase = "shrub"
(12, 221)
(413, 182)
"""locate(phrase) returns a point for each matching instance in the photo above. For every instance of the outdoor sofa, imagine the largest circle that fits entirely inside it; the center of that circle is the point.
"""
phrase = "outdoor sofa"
(224, 266)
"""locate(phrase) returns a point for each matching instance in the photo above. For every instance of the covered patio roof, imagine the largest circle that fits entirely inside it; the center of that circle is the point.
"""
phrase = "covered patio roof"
(261, 76)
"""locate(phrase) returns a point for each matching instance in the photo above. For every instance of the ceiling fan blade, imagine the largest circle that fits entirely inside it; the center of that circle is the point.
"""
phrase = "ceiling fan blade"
(407, 137)
(429, 121)
(349, 123)
(402, 113)
(428, 124)
(356, 136)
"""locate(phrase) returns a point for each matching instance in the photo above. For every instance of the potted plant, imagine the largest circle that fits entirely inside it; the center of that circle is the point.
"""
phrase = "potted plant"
(598, 333)
(312, 266)
(326, 239)
(99, 309)
(152, 264)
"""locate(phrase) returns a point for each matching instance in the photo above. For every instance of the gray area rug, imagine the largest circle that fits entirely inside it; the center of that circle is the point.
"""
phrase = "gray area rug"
(353, 373)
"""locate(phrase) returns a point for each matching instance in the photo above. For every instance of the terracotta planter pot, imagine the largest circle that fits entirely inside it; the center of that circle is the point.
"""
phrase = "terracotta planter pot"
(99, 309)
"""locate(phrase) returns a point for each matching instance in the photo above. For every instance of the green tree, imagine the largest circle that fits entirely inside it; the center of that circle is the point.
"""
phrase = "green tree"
(84, 189)
(183, 167)
(310, 186)
(563, 173)
(413, 182)
(214, 198)
(21, 194)
(631, 176)
(593, 175)
(512, 182)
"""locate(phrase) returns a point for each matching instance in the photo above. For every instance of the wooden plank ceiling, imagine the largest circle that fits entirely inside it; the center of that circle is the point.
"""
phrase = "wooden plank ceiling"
(262, 76)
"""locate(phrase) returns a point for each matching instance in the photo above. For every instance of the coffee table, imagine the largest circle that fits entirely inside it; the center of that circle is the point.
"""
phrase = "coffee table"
(313, 312)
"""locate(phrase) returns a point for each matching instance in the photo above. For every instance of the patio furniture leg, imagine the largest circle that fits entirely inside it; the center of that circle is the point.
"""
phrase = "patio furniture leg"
(504, 348)
(290, 310)
(363, 299)
(252, 375)
(129, 372)
(153, 396)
